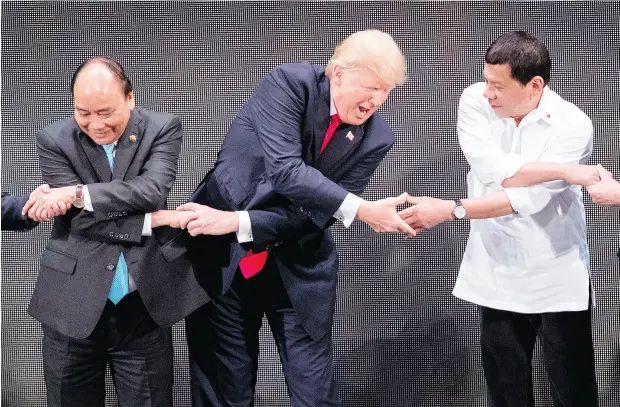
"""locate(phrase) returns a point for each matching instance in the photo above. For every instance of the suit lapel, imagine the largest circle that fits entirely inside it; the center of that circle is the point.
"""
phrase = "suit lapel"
(321, 117)
(97, 158)
(127, 146)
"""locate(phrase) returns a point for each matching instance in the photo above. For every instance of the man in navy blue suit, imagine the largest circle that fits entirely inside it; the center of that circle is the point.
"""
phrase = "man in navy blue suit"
(295, 160)
(14, 217)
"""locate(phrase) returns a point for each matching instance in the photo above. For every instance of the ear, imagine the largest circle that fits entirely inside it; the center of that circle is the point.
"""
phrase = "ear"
(131, 100)
(337, 72)
(538, 84)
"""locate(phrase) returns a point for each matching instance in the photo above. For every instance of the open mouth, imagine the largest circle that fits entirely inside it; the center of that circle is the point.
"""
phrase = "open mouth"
(363, 111)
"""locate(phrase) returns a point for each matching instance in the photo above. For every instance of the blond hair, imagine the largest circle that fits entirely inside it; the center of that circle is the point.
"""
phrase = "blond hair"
(372, 49)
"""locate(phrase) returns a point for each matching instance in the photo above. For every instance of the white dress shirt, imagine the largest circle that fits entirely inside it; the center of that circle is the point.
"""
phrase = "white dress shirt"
(537, 259)
(345, 213)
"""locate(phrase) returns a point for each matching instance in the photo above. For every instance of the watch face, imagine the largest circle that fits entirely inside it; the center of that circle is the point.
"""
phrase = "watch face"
(78, 202)
(459, 212)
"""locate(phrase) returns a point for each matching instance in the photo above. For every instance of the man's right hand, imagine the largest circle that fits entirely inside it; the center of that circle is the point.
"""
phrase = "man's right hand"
(382, 216)
(585, 175)
(174, 219)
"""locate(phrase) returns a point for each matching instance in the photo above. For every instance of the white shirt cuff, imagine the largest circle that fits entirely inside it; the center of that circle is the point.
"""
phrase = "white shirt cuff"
(244, 235)
(147, 230)
(528, 200)
(348, 209)
(88, 205)
(512, 165)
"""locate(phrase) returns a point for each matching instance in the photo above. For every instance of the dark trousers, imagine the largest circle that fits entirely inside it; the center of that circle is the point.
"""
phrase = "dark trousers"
(138, 351)
(222, 337)
(507, 341)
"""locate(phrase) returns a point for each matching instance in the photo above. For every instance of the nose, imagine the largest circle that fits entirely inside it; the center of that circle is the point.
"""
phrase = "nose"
(96, 124)
(488, 93)
(377, 98)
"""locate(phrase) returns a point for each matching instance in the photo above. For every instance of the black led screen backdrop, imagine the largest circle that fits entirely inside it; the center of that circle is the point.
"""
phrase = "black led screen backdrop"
(400, 337)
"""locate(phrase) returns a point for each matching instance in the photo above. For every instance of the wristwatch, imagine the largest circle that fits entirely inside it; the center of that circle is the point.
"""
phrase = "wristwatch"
(459, 211)
(78, 202)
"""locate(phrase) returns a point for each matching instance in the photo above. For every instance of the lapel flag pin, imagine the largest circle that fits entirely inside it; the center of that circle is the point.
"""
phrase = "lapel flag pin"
(133, 138)
(350, 136)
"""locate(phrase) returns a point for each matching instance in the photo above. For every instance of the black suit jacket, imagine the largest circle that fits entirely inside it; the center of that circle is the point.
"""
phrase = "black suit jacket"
(270, 165)
(78, 263)
(12, 218)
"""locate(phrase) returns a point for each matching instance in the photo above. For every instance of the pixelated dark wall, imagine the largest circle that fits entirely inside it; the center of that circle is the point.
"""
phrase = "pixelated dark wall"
(400, 337)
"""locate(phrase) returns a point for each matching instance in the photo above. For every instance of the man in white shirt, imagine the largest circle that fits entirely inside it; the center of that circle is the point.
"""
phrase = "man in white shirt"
(526, 264)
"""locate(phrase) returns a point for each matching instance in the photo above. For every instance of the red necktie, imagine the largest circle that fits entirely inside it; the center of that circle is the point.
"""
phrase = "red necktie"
(333, 125)
(252, 262)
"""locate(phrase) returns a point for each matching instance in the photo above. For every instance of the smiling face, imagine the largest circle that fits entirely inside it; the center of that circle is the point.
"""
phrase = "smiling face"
(357, 93)
(102, 110)
(508, 97)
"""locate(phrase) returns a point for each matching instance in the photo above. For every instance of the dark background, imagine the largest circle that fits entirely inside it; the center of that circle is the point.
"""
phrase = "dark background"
(401, 338)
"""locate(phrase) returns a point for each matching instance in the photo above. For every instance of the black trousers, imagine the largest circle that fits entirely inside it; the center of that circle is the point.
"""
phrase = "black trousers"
(507, 342)
(138, 351)
(222, 338)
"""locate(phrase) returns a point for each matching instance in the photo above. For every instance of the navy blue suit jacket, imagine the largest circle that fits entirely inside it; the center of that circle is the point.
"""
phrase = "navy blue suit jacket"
(270, 166)
(12, 218)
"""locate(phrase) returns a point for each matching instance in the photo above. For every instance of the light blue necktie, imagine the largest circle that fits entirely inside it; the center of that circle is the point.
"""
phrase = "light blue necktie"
(120, 282)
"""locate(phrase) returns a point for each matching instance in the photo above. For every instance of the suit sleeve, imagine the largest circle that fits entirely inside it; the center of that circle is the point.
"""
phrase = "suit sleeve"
(12, 218)
(124, 227)
(274, 225)
(147, 192)
(276, 109)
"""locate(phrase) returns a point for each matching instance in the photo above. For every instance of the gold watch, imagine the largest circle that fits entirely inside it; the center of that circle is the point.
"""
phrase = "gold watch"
(78, 202)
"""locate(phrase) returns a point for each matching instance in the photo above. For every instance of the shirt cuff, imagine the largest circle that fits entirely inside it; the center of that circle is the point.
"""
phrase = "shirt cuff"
(348, 209)
(244, 235)
(147, 230)
(528, 200)
(511, 164)
(88, 205)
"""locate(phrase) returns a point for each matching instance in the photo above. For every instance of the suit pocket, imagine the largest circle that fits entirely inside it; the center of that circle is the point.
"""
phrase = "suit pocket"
(59, 261)
(175, 247)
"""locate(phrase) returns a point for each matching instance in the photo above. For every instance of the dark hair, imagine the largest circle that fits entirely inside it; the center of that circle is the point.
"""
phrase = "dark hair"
(113, 66)
(525, 54)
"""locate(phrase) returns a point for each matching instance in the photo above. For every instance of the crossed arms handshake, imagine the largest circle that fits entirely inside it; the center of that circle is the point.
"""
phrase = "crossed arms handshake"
(381, 215)
(46, 203)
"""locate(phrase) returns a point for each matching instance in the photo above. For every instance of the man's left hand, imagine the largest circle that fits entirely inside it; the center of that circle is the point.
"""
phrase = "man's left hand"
(210, 221)
(45, 202)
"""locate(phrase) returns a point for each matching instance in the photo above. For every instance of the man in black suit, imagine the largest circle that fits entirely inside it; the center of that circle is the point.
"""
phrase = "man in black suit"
(112, 281)
(294, 160)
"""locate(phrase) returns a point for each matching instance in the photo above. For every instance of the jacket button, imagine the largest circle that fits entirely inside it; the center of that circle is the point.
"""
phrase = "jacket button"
(110, 267)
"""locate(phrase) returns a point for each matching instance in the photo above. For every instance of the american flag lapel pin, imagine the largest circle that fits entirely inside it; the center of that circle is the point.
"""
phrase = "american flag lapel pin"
(350, 136)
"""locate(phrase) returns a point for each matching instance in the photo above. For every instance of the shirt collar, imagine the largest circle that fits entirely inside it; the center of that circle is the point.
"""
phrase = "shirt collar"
(332, 107)
(545, 107)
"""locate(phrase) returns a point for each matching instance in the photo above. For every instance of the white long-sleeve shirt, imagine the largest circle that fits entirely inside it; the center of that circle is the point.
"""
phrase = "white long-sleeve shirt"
(537, 259)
